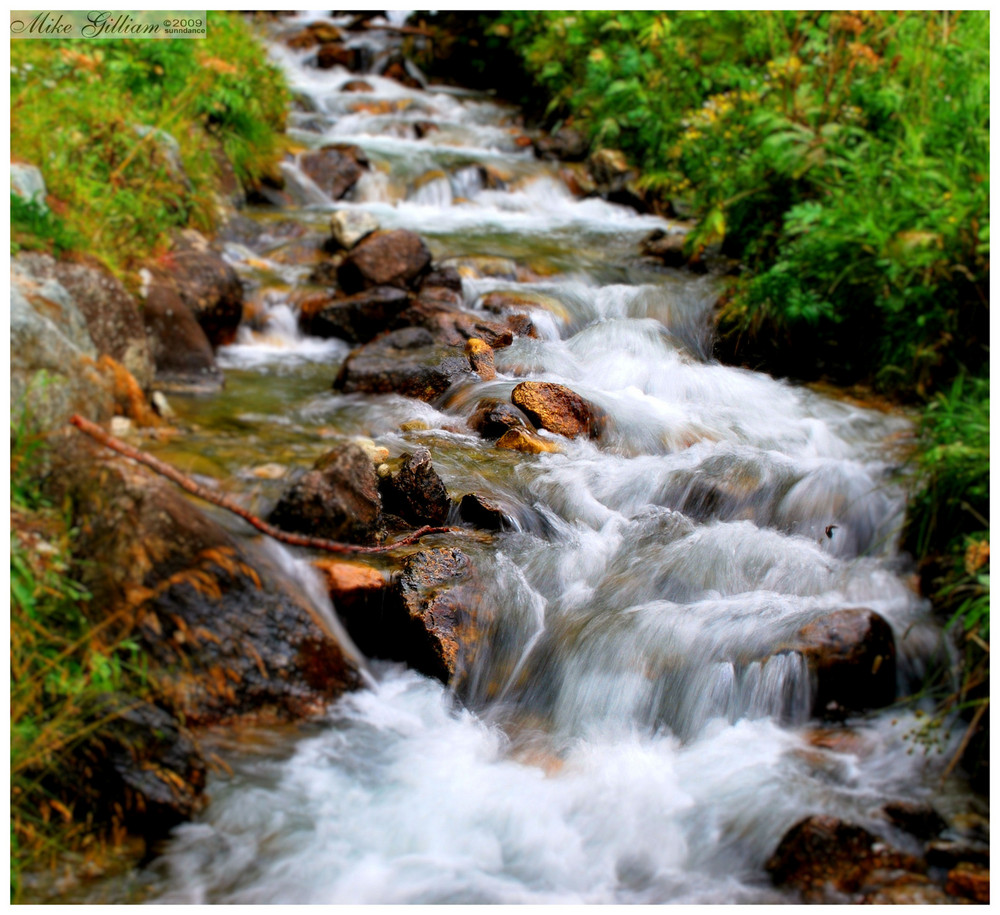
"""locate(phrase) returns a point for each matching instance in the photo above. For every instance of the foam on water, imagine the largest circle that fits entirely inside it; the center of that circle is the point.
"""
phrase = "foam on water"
(632, 726)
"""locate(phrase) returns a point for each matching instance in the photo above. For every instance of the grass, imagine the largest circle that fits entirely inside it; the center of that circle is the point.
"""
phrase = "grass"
(127, 134)
(61, 664)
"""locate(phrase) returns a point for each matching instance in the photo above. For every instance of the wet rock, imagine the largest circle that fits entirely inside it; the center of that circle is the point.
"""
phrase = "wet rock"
(893, 888)
(111, 314)
(450, 326)
(206, 284)
(351, 583)
(181, 350)
(394, 258)
(948, 853)
(521, 325)
(337, 500)
(348, 227)
(667, 248)
(53, 360)
(358, 318)
(852, 658)
(405, 361)
(826, 859)
(484, 512)
(334, 54)
(567, 144)
(479, 266)
(493, 418)
(480, 356)
(442, 278)
(324, 274)
(610, 169)
(335, 169)
(558, 409)
(313, 34)
(528, 442)
(507, 301)
(416, 493)
(438, 600)
(140, 760)
(969, 881)
(223, 636)
(357, 85)
(920, 820)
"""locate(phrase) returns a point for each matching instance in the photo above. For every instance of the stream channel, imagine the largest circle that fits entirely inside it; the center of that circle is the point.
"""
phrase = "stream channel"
(629, 730)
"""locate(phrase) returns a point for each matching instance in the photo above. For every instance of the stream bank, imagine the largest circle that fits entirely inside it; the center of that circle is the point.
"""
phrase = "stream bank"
(637, 679)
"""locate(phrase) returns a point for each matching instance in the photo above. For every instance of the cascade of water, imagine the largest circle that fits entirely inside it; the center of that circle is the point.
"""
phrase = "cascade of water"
(633, 726)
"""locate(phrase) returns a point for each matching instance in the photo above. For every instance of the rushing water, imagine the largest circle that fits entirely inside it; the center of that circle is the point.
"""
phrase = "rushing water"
(629, 731)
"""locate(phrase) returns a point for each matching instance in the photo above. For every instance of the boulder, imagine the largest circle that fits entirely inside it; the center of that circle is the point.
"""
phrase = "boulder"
(393, 258)
(558, 409)
(528, 442)
(140, 760)
(206, 284)
(53, 360)
(484, 512)
(337, 500)
(348, 227)
(405, 361)
(920, 820)
(970, 881)
(358, 318)
(224, 638)
(416, 493)
(451, 326)
(334, 169)
(438, 598)
(182, 353)
(442, 278)
(852, 660)
(333, 54)
(827, 859)
(480, 355)
(111, 314)
(493, 418)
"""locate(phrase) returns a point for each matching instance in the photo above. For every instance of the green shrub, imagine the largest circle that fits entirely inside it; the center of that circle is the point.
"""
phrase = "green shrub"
(842, 157)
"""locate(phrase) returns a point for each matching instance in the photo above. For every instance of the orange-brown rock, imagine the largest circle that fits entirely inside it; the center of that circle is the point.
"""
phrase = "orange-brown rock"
(528, 442)
(970, 881)
(480, 355)
(558, 409)
(827, 859)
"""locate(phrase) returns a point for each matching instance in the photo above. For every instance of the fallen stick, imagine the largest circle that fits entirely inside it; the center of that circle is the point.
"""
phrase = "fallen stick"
(185, 482)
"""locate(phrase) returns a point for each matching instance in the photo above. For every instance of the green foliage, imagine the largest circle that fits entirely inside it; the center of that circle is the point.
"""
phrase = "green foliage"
(60, 664)
(35, 228)
(125, 132)
(842, 157)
